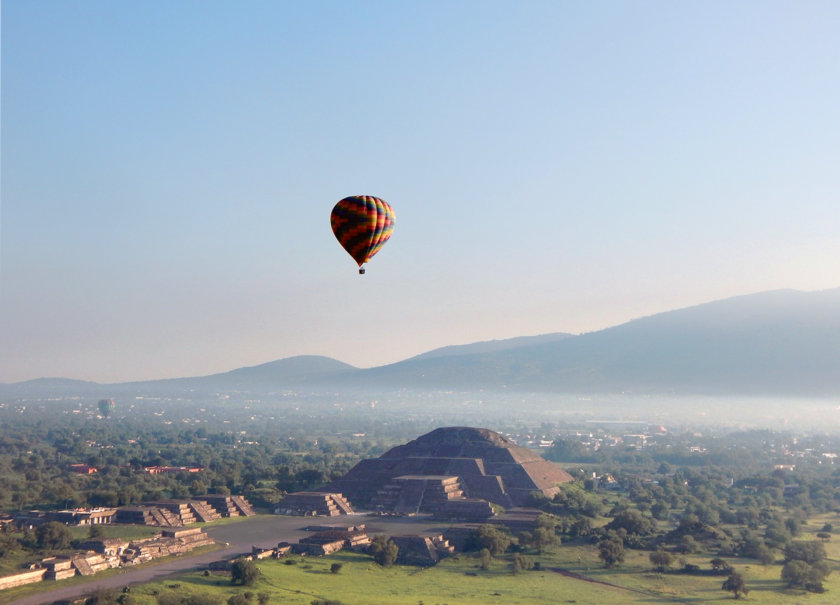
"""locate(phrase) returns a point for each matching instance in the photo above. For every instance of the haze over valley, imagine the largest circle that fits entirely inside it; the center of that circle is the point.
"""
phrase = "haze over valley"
(775, 353)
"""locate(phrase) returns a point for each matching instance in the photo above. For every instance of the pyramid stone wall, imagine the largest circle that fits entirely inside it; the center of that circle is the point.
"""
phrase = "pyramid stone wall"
(487, 465)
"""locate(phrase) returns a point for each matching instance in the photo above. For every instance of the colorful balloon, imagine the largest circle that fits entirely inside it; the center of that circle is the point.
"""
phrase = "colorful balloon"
(362, 224)
(106, 406)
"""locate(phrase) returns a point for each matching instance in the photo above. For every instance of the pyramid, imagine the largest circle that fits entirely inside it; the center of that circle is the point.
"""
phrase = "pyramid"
(487, 465)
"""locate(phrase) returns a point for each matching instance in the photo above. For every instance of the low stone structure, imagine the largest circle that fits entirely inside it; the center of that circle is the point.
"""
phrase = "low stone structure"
(170, 542)
(105, 546)
(20, 579)
(421, 550)
(111, 552)
(148, 515)
(518, 520)
(177, 512)
(313, 504)
(58, 568)
(90, 563)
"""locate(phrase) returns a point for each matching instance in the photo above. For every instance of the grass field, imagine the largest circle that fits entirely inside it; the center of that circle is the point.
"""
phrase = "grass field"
(459, 581)
(568, 574)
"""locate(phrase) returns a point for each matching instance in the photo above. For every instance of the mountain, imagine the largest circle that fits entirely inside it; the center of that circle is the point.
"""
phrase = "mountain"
(292, 371)
(783, 342)
(488, 346)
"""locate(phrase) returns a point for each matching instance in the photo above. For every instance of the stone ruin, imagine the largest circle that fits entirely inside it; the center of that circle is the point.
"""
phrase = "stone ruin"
(179, 512)
(314, 504)
(449, 472)
(108, 553)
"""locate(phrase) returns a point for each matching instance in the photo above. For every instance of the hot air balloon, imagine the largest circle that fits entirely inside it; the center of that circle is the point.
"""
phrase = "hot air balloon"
(106, 406)
(362, 224)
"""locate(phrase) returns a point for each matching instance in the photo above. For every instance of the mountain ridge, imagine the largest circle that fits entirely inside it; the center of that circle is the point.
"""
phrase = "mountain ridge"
(775, 342)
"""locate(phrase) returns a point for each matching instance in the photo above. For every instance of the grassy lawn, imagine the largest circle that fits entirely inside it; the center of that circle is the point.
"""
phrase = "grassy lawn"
(459, 581)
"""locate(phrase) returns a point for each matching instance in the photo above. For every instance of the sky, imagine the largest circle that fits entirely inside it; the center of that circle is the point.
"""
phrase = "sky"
(169, 168)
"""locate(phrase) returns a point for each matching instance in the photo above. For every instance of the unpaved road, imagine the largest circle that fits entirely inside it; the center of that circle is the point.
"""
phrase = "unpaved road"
(263, 531)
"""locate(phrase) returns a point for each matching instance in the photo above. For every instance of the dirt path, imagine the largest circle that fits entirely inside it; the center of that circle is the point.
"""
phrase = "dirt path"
(647, 593)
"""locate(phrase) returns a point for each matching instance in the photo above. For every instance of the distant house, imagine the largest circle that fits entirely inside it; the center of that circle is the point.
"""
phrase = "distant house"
(156, 470)
(84, 469)
(84, 516)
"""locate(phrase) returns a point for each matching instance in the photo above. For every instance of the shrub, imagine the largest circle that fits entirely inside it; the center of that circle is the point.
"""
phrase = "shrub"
(244, 571)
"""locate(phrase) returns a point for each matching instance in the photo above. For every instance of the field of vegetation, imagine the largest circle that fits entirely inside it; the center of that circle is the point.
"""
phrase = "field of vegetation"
(669, 518)
(561, 574)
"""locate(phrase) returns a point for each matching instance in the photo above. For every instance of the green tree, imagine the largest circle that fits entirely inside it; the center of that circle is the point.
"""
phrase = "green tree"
(736, 585)
(521, 563)
(611, 551)
(799, 574)
(53, 536)
(102, 596)
(490, 537)
(485, 559)
(719, 566)
(661, 559)
(384, 551)
(633, 522)
(244, 571)
(809, 551)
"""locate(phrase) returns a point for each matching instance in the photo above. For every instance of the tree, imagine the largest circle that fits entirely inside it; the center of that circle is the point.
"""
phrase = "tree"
(633, 522)
(53, 536)
(764, 554)
(799, 574)
(492, 538)
(810, 551)
(736, 585)
(384, 551)
(521, 563)
(661, 559)
(611, 551)
(688, 545)
(485, 558)
(244, 571)
(335, 567)
(719, 566)
(102, 596)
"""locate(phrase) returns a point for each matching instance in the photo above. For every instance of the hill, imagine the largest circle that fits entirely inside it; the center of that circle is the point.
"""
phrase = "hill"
(773, 343)
(778, 343)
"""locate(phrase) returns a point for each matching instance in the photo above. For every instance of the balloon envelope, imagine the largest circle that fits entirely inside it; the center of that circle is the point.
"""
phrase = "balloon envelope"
(106, 406)
(362, 224)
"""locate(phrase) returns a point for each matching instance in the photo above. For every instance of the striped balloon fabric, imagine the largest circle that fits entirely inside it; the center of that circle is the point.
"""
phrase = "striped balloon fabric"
(362, 224)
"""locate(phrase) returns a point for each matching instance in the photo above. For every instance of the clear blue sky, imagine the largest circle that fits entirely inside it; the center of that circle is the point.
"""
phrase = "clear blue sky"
(168, 170)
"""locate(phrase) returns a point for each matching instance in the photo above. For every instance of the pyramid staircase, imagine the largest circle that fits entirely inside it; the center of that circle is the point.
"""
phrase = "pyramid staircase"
(203, 511)
(442, 545)
(228, 506)
(411, 494)
(342, 503)
(243, 505)
(83, 567)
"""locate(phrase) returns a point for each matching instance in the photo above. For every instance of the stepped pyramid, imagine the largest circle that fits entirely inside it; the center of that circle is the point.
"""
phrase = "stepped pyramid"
(227, 506)
(482, 463)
